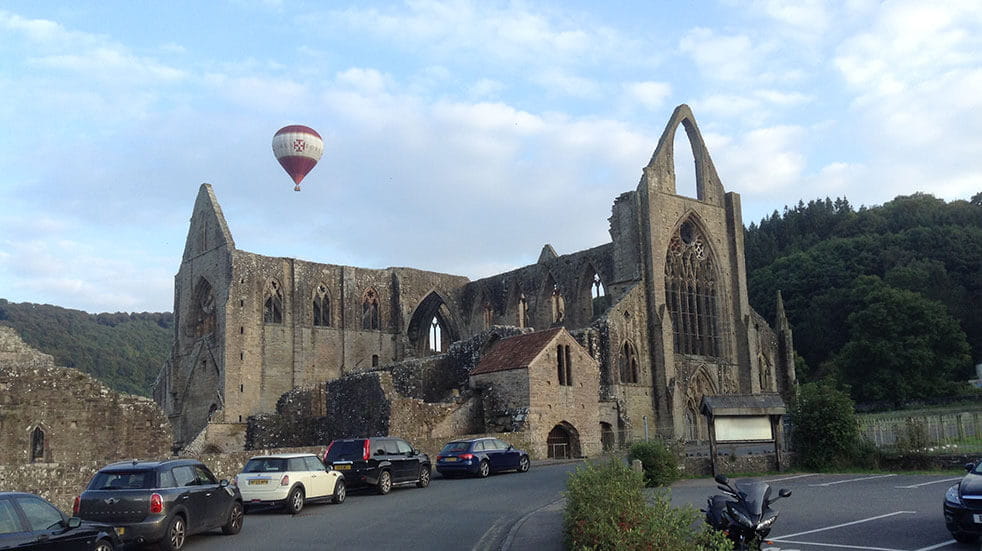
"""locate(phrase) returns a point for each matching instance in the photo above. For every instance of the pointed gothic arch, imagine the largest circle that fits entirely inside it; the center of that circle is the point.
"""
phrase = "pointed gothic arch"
(592, 295)
(321, 307)
(201, 320)
(660, 172)
(39, 445)
(629, 364)
(563, 442)
(700, 384)
(272, 302)
(370, 310)
(693, 290)
(552, 295)
(433, 327)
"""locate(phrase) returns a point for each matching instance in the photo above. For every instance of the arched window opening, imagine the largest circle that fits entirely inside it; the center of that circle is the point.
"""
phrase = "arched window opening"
(563, 442)
(436, 335)
(629, 372)
(691, 425)
(370, 310)
(607, 438)
(273, 302)
(202, 319)
(691, 293)
(523, 311)
(598, 296)
(488, 316)
(374, 360)
(685, 165)
(558, 305)
(37, 445)
(322, 307)
(561, 365)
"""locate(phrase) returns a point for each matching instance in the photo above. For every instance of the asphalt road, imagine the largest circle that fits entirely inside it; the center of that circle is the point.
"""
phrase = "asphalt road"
(885, 512)
(460, 513)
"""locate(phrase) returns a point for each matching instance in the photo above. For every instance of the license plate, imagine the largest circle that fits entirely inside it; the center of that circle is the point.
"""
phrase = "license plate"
(258, 481)
(120, 530)
(343, 467)
(977, 519)
(449, 459)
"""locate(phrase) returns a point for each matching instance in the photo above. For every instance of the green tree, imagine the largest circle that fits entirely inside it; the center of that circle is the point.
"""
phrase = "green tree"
(825, 431)
(902, 346)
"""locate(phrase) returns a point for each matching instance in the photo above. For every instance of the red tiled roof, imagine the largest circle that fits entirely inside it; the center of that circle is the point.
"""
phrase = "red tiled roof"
(515, 352)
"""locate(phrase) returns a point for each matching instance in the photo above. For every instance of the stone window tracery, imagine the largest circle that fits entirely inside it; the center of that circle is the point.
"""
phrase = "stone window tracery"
(436, 335)
(629, 371)
(598, 296)
(273, 302)
(370, 310)
(691, 292)
(322, 307)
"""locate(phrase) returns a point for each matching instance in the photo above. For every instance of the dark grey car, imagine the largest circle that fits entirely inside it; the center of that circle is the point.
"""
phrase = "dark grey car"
(161, 501)
(29, 522)
(381, 461)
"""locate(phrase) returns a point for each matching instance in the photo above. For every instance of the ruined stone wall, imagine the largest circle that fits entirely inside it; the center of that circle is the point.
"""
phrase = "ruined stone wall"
(79, 418)
(627, 323)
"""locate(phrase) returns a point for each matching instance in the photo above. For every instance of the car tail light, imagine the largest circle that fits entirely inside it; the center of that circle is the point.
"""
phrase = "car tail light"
(156, 503)
(327, 452)
(466, 456)
(285, 481)
(439, 458)
(75, 505)
(367, 450)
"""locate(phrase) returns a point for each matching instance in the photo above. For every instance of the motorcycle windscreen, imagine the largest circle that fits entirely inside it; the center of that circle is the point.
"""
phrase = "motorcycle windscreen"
(755, 495)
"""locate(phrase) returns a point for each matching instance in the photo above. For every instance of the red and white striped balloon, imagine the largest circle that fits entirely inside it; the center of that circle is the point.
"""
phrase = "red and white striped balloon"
(297, 148)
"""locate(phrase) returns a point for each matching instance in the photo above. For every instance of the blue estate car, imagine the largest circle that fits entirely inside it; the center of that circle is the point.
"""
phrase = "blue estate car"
(480, 457)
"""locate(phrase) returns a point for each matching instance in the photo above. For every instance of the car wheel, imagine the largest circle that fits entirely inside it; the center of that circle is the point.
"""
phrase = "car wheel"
(384, 483)
(103, 545)
(964, 538)
(524, 464)
(483, 470)
(340, 492)
(424, 477)
(234, 523)
(174, 536)
(294, 501)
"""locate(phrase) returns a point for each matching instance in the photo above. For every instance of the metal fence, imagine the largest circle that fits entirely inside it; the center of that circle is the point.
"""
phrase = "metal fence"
(922, 430)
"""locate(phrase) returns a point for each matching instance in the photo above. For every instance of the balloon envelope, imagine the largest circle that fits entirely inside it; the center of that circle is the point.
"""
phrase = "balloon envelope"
(297, 148)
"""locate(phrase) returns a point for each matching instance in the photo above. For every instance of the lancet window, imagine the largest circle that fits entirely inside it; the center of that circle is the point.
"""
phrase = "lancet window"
(629, 372)
(370, 310)
(322, 307)
(273, 302)
(691, 292)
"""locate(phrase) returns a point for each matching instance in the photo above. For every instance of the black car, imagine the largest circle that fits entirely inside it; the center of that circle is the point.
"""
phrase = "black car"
(31, 522)
(480, 457)
(382, 462)
(161, 501)
(963, 505)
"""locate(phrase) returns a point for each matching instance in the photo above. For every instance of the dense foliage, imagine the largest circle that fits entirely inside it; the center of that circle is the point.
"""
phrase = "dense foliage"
(825, 431)
(659, 461)
(606, 510)
(124, 351)
(919, 317)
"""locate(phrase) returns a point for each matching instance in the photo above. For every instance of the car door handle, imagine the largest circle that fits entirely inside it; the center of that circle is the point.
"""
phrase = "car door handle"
(185, 496)
(208, 494)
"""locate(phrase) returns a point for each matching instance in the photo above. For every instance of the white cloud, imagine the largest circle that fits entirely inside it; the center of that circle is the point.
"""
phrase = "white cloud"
(651, 95)
(726, 58)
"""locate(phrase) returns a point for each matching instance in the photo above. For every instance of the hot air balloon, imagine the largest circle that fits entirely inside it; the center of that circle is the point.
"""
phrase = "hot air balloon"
(297, 148)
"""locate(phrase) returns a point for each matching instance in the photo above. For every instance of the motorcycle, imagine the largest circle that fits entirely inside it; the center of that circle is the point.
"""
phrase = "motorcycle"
(744, 512)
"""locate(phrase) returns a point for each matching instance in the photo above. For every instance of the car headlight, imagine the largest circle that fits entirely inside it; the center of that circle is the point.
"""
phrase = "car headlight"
(951, 496)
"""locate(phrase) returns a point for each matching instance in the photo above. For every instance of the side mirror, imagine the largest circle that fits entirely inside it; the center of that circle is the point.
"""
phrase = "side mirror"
(223, 483)
(721, 479)
(969, 466)
(784, 492)
(74, 522)
(510, 448)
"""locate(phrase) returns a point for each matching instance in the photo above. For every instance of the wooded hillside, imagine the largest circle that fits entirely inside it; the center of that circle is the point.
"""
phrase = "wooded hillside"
(887, 299)
(125, 351)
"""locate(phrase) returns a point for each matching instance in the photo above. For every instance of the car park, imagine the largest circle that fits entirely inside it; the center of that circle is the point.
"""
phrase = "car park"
(289, 481)
(161, 501)
(379, 462)
(31, 522)
(963, 505)
(480, 457)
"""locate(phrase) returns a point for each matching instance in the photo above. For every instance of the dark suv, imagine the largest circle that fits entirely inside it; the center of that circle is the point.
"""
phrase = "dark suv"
(380, 461)
(160, 501)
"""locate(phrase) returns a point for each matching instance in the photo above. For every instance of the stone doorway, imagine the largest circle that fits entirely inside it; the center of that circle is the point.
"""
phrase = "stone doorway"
(563, 442)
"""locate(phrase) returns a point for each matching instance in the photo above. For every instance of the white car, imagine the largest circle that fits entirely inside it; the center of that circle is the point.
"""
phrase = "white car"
(289, 480)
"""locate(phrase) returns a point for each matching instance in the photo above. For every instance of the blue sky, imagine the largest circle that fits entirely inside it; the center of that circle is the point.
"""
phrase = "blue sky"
(459, 136)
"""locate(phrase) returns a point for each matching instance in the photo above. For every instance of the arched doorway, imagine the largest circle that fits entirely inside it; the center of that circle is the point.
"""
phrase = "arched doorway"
(563, 442)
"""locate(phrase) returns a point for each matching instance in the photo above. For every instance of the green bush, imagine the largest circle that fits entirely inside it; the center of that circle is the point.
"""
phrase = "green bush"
(606, 510)
(825, 430)
(659, 460)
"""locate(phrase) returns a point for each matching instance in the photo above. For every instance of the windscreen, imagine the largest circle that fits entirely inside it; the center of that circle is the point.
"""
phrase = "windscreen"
(265, 465)
(456, 447)
(123, 480)
(755, 494)
(346, 450)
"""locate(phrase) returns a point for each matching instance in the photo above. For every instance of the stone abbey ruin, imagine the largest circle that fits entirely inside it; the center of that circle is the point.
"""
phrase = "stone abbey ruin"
(573, 354)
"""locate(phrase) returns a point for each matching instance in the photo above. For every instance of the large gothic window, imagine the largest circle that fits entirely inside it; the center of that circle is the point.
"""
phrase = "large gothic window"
(370, 310)
(322, 307)
(273, 302)
(203, 309)
(691, 292)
